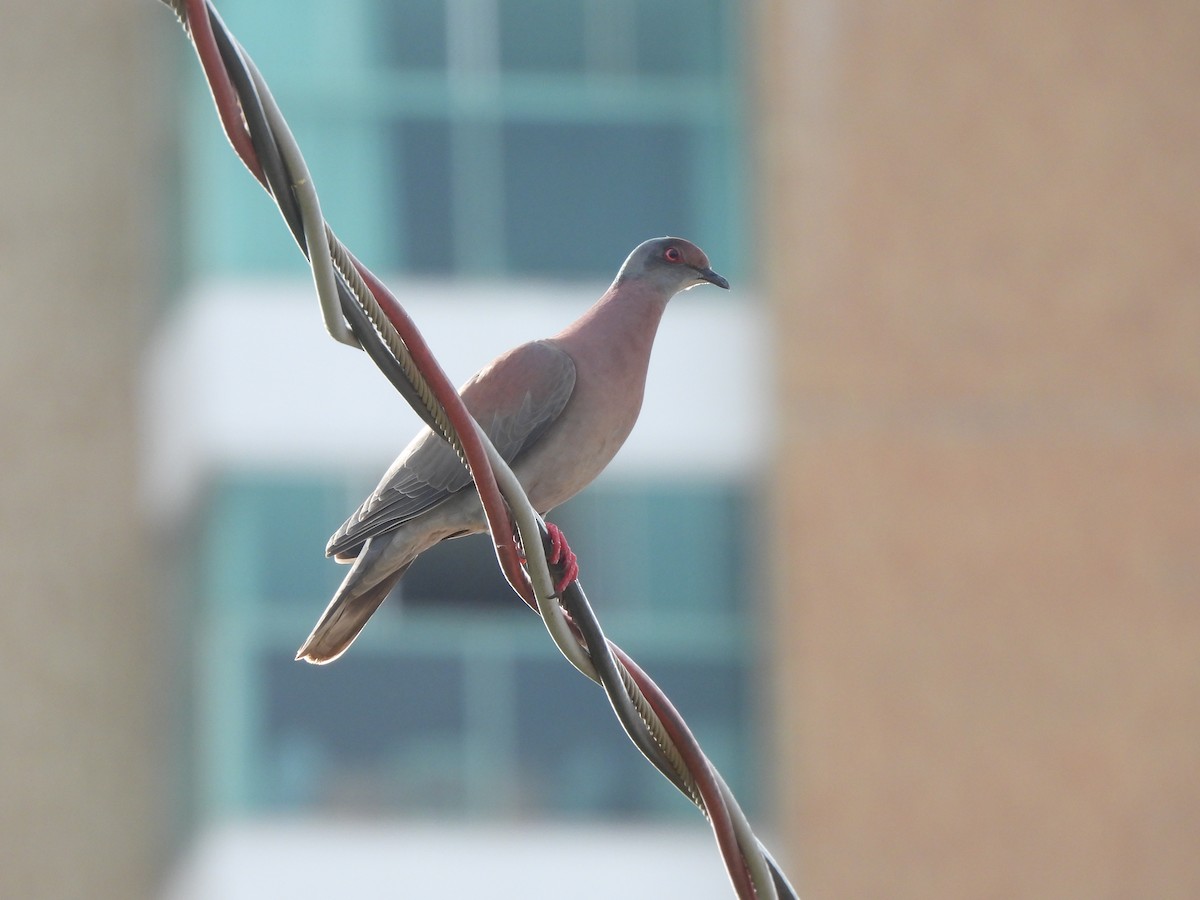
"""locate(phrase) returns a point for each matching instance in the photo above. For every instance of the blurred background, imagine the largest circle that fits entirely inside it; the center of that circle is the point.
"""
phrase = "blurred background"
(908, 530)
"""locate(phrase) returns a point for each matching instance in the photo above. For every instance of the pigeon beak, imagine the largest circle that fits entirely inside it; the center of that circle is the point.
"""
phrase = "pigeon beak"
(713, 278)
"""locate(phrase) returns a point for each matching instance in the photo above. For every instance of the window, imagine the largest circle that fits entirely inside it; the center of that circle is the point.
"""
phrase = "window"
(449, 707)
(485, 137)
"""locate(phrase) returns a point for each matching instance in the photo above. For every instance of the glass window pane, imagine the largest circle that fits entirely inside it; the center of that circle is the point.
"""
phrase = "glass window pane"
(573, 754)
(642, 176)
(678, 37)
(412, 34)
(661, 549)
(290, 520)
(423, 189)
(701, 530)
(460, 573)
(366, 734)
(542, 35)
(579, 197)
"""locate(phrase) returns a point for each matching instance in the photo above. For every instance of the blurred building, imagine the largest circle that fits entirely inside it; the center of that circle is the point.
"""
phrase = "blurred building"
(979, 231)
(84, 699)
(933, 598)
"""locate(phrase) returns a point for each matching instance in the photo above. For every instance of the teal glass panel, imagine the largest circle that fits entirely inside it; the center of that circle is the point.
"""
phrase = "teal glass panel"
(424, 197)
(715, 696)
(454, 700)
(575, 757)
(658, 551)
(410, 35)
(370, 733)
(679, 37)
(542, 36)
(461, 573)
(292, 519)
(489, 162)
(700, 549)
(663, 550)
(574, 193)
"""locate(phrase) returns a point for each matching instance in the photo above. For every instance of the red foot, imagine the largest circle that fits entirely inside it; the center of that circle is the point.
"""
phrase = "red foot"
(561, 554)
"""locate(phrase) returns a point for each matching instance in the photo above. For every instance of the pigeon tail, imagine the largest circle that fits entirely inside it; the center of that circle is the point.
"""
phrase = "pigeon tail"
(348, 611)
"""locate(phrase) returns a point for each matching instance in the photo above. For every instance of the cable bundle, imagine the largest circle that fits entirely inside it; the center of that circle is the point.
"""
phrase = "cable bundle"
(359, 310)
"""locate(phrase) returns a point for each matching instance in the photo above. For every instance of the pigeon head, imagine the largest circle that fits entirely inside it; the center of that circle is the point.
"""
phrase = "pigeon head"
(671, 264)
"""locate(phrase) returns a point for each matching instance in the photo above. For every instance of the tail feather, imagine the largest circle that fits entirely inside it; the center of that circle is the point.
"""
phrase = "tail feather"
(347, 613)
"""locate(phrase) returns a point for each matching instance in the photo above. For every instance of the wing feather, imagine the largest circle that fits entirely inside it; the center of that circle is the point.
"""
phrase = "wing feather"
(515, 400)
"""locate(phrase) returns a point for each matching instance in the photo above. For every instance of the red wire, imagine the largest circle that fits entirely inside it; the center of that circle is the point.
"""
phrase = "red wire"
(224, 95)
(445, 393)
(697, 764)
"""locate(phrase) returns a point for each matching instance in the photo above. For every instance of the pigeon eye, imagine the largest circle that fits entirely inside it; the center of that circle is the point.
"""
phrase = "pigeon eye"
(672, 254)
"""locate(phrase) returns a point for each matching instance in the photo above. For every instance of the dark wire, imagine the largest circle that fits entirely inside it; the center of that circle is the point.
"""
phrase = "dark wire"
(262, 138)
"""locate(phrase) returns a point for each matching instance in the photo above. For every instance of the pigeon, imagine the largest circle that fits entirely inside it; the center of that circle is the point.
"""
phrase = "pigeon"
(557, 410)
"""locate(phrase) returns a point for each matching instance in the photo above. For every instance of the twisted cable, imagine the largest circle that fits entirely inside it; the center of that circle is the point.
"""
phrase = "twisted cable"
(359, 310)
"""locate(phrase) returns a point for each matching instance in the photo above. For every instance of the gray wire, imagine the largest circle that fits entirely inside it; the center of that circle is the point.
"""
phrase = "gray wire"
(528, 521)
(315, 235)
(752, 849)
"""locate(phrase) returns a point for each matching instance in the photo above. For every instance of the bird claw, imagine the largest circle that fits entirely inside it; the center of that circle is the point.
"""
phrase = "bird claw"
(561, 554)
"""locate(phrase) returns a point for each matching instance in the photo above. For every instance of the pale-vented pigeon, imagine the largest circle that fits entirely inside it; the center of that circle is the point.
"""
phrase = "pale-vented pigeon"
(557, 410)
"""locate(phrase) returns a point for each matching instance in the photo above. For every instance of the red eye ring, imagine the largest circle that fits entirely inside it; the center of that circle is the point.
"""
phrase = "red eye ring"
(672, 254)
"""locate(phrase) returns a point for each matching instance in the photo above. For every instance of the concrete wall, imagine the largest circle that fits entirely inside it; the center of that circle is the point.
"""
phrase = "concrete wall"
(81, 711)
(981, 240)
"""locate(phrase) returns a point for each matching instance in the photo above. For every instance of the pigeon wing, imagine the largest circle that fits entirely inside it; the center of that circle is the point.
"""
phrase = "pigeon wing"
(514, 399)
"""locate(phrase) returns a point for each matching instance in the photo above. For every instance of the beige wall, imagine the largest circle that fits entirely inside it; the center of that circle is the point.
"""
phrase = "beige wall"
(981, 239)
(81, 727)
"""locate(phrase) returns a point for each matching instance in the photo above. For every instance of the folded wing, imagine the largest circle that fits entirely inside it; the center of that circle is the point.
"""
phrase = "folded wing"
(515, 400)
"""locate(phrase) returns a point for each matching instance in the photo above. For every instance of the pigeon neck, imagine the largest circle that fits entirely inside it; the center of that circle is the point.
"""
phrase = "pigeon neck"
(624, 320)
